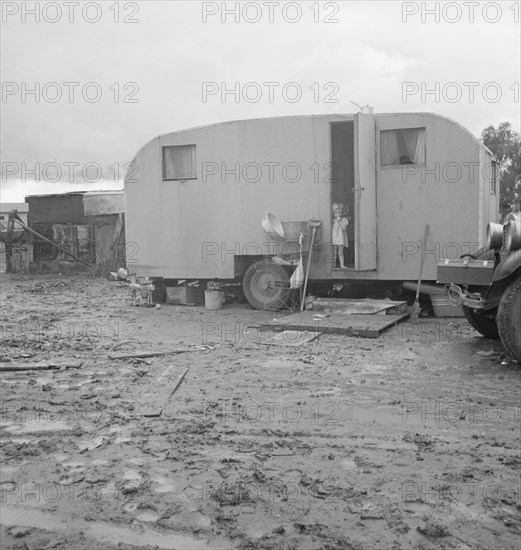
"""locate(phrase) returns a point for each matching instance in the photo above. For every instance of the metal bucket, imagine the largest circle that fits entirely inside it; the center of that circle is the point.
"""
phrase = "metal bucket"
(444, 308)
(213, 299)
(292, 230)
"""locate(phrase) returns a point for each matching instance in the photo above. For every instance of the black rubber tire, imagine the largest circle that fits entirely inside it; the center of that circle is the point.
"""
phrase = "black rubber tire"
(266, 285)
(509, 319)
(485, 325)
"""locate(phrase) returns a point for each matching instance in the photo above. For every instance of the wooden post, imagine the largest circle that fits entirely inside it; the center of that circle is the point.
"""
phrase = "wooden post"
(116, 240)
(9, 241)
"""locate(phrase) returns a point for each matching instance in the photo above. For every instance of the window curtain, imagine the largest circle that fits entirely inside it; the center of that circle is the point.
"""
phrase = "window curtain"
(179, 162)
(389, 148)
(402, 146)
(414, 141)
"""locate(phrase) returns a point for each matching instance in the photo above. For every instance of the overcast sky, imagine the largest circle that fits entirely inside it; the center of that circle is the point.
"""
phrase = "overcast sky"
(149, 61)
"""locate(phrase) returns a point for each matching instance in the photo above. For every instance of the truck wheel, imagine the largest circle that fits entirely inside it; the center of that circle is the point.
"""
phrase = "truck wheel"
(484, 324)
(509, 319)
(266, 285)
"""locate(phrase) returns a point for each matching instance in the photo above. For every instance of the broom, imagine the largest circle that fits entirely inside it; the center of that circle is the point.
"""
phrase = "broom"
(416, 306)
(314, 224)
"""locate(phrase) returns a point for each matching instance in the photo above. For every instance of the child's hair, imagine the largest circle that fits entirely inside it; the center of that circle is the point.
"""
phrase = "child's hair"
(340, 205)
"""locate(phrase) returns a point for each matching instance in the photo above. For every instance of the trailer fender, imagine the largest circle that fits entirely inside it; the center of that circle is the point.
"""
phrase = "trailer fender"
(507, 267)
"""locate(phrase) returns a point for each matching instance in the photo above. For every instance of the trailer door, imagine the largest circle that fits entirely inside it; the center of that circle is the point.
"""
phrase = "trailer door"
(365, 192)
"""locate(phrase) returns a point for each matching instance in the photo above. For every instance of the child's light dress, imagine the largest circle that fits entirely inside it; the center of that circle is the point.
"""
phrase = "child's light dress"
(339, 232)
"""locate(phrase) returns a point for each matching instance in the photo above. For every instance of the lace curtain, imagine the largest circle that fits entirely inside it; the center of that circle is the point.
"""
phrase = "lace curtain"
(405, 146)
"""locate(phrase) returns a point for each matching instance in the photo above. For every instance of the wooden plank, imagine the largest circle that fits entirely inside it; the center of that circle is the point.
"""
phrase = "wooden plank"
(4, 367)
(9, 241)
(367, 326)
(160, 392)
(291, 338)
(137, 354)
(360, 306)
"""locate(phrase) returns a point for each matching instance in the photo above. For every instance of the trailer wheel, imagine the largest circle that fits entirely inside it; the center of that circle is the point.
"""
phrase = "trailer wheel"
(484, 324)
(266, 285)
(509, 319)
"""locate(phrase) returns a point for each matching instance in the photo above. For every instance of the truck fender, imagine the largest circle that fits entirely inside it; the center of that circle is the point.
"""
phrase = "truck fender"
(508, 266)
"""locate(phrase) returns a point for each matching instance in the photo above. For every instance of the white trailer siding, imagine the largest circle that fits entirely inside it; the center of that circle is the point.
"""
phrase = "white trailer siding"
(194, 228)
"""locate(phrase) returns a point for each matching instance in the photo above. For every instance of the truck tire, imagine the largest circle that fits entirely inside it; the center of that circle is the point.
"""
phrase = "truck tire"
(484, 324)
(509, 319)
(266, 285)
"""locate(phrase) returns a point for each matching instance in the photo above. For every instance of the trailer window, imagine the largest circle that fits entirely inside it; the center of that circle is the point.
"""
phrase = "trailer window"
(404, 146)
(179, 162)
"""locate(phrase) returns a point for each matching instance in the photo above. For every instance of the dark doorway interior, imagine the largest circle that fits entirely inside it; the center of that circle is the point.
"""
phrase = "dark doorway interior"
(343, 178)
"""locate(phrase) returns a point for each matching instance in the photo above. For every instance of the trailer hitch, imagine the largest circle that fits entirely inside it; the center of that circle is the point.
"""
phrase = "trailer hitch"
(457, 297)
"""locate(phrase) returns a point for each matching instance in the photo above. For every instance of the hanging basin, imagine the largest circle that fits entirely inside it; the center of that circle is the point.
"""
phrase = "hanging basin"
(272, 225)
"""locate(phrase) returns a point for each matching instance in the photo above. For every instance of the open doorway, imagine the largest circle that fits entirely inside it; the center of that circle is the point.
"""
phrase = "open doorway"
(343, 180)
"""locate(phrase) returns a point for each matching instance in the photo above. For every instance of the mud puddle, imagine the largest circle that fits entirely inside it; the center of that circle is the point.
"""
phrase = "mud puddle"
(109, 533)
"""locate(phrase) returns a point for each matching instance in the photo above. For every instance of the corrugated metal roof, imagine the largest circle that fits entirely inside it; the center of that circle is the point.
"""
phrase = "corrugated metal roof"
(72, 193)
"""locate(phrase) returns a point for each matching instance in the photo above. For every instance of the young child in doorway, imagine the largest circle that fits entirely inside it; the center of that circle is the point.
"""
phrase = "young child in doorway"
(339, 232)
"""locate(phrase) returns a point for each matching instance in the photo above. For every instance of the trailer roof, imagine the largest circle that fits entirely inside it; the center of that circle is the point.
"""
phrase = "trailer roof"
(331, 115)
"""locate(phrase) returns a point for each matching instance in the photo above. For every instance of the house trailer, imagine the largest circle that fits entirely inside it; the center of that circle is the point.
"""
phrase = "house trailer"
(195, 199)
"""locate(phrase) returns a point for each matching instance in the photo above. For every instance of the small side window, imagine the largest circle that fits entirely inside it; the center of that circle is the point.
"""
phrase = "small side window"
(404, 146)
(179, 162)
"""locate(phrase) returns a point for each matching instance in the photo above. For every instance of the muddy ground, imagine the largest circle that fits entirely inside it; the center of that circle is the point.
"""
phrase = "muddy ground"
(411, 440)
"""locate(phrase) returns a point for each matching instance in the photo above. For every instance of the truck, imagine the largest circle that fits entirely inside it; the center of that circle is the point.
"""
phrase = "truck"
(487, 284)
(196, 199)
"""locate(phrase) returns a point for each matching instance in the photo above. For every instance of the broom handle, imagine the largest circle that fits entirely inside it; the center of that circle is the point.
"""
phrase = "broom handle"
(303, 302)
(421, 263)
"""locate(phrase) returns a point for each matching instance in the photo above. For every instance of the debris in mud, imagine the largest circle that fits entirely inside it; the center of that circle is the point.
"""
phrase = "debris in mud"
(131, 483)
(231, 494)
(19, 532)
(433, 527)
(424, 442)
(40, 366)
(274, 480)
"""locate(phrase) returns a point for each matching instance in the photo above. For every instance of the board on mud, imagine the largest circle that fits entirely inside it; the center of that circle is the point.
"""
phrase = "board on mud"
(366, 306)
(366, 326)
(291, 338)
(160, 391)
